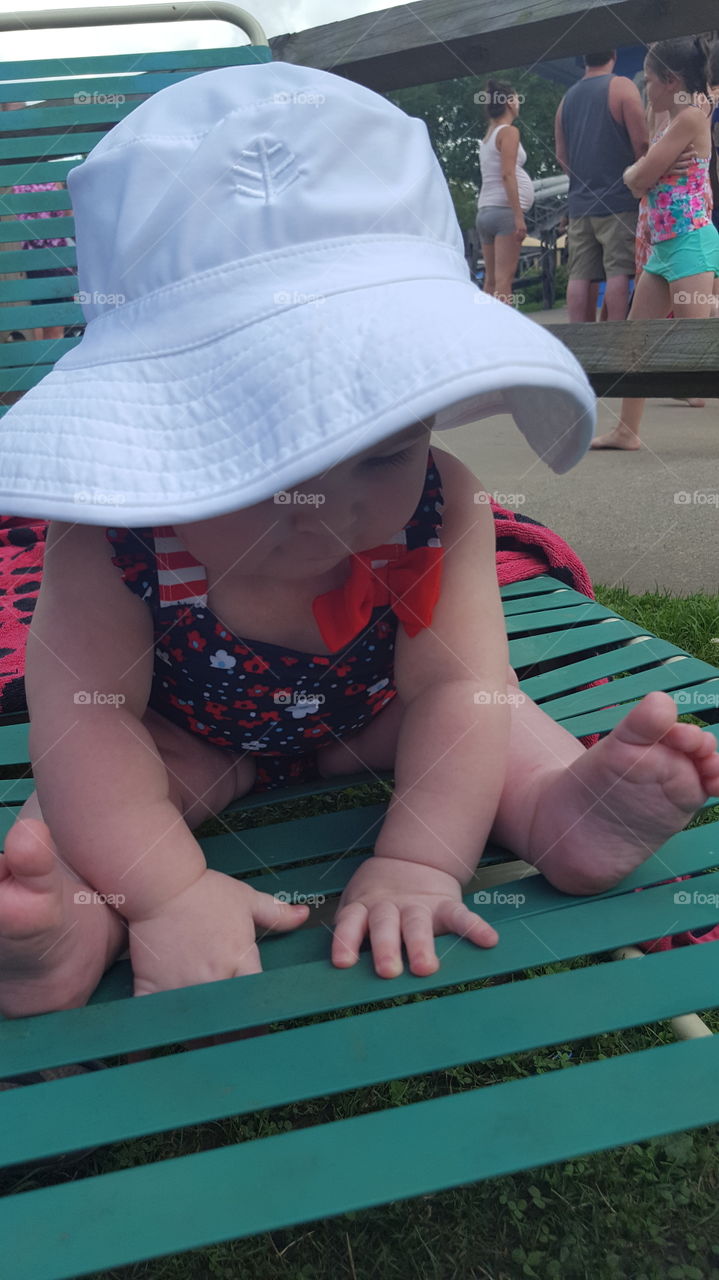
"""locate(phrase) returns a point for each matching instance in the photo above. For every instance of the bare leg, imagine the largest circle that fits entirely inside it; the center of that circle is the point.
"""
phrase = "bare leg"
(626, 433)
(616, 297)
(651, 302)
(506, 259)
(579, 301)
(57, 936)
(489, 268)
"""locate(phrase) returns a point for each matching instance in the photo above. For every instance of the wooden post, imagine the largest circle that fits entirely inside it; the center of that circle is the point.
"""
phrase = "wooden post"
(646, 357)
(437, 40)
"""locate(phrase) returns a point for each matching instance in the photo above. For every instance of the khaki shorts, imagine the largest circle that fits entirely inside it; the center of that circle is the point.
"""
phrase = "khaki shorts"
(602, 246)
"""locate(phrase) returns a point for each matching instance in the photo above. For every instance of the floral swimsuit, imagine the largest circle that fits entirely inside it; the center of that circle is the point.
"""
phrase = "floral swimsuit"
(678, 202)
(280, 704)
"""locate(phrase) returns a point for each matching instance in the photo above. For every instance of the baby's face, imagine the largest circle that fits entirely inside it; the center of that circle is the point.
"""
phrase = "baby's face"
(306, 532)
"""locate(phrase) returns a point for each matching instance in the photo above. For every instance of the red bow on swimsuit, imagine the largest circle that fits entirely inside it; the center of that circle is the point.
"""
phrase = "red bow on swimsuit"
(407, 582)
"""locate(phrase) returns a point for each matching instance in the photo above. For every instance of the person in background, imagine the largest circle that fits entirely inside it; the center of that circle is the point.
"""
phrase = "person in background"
(600, 128)
(507, 192)
(714, 166)
(683, 262)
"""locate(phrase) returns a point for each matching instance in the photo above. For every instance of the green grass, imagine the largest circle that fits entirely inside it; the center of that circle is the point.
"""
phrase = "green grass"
(690, 622)
(649, 1211)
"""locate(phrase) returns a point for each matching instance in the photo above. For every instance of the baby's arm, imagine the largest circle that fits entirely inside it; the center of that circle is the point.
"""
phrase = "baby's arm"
(103, 788)
(453, 746)
(452, 678)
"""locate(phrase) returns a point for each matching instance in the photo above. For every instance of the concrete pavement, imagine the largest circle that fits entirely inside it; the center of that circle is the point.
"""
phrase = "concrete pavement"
(618, 509)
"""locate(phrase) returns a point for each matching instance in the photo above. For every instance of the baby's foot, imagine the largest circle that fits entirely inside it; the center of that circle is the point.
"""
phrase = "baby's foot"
(54, 947)
(616, 804)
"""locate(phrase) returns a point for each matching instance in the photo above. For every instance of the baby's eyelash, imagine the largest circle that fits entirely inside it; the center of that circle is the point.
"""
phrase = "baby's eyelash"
(392, 459)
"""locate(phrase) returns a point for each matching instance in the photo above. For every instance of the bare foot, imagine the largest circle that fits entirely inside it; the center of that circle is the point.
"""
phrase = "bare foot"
(56, 940)
(616, 439)
(616, 804)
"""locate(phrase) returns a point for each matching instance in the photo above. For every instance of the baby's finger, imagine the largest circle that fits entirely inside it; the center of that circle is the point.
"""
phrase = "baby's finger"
(350, 929)
(272, 913)
(418, 934)
(386, 939)
(456, 918)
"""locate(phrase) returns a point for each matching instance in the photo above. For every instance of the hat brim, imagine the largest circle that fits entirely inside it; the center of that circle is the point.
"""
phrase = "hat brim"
(186, 432)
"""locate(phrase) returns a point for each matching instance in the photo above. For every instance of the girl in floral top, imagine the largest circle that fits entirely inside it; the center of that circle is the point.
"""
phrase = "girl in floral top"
(678, 275)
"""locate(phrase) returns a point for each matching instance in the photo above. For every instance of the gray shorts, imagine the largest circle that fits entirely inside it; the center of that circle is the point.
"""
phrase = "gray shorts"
(494, 220)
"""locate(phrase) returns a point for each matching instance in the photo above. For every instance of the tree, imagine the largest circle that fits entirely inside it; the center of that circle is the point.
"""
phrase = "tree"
(456, 123)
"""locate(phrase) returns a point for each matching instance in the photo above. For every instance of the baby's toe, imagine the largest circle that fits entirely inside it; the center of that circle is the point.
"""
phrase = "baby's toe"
(29, 848)
(688, 738)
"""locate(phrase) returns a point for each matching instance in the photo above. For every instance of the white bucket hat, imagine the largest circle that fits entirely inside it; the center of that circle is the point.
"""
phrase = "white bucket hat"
(274, 279)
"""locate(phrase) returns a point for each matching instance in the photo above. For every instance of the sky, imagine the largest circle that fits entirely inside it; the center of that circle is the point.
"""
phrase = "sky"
(275, 17)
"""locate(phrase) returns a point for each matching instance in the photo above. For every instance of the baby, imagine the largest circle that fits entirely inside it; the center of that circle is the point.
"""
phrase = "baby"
(276, 575)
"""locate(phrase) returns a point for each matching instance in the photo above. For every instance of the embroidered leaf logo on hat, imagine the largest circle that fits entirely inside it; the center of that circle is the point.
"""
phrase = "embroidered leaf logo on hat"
(270, 168)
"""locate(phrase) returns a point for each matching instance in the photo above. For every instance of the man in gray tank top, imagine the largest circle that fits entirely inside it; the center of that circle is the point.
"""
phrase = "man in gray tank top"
(600, 129)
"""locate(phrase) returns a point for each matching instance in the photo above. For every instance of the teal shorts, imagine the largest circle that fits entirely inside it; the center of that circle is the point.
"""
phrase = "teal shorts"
(686, 255)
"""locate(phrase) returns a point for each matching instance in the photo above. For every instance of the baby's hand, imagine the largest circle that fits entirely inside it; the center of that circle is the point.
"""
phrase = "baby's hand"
(205, 934)
(396, 900)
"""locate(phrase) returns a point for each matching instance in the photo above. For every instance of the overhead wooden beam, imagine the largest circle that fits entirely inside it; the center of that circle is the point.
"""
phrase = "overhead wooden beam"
(446, 39)
(646, 357)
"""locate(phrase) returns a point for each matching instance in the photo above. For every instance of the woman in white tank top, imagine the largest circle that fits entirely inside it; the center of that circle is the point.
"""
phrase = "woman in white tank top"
(507, 191)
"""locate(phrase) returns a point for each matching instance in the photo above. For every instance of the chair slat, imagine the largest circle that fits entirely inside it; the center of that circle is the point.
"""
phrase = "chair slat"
(628, 657)
(686, 853)
(277, 995)
(548, 600)
(678, 678)
(691, 701)
(528, 650)
(352, 1053)
(124, 83)
(279, 1181)
(45, 69)
(576, 616)
(45, 259)
(543, 583)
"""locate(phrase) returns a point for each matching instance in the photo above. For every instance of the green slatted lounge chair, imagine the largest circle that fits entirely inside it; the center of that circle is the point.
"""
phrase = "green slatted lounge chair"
(80, 1226)
(558, 641)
